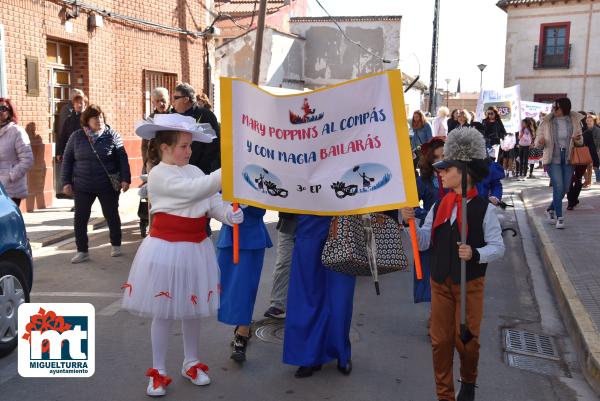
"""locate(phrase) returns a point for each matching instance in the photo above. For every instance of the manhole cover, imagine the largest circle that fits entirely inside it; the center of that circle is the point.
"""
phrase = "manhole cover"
(527, 343)
(271, 331)
(536, 365)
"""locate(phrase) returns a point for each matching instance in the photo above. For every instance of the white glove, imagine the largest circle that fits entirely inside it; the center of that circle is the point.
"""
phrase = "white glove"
(232, 217)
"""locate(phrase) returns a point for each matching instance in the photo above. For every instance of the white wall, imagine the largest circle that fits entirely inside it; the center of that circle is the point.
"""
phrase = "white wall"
(330, 58)
(523, 34)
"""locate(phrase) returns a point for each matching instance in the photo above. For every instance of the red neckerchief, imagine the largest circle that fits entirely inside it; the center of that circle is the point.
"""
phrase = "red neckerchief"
(447, 204)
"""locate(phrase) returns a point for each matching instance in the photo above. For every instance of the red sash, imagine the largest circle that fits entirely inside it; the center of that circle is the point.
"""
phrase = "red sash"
(178, 229)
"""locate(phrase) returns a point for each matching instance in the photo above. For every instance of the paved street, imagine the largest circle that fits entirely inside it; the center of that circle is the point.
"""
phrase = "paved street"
(391, 351)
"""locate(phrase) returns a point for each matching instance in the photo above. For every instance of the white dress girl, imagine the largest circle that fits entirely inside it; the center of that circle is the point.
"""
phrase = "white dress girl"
(175, 275)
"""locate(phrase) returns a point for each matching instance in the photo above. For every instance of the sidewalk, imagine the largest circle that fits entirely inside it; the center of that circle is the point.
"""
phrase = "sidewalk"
(572, 260)
(54, 224)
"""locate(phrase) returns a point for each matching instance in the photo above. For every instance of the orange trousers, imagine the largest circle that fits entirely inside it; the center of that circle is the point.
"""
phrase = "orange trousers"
(445, 333)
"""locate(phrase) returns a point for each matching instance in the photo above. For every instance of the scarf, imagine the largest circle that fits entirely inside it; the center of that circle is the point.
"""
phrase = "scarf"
(447, 204)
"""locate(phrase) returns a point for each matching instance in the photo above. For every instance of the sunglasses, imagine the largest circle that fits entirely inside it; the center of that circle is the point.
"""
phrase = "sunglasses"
(4, 108)
(491, 114)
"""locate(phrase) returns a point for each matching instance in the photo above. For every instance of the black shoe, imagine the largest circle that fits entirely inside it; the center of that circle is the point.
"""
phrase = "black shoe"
(345, 370)
(239, 344)
(306, 371)
(467, 392)
(275, 313)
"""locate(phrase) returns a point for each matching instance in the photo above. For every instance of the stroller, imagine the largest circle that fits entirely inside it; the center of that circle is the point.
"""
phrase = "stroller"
(143, 211)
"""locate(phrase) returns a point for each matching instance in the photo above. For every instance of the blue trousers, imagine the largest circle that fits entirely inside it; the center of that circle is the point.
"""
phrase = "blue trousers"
(560, 176)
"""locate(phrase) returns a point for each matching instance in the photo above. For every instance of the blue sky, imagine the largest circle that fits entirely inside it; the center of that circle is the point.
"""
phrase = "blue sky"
(472, 32)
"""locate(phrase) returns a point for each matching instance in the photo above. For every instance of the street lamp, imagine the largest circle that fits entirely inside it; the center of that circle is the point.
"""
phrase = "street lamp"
(481, 68)
(447, 91)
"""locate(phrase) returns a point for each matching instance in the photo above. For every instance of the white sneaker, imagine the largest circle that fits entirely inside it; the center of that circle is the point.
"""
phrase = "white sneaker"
(196, 373)
(560, 222)
(551, 216)
(157, 384)
(115, 251)
(80, 257)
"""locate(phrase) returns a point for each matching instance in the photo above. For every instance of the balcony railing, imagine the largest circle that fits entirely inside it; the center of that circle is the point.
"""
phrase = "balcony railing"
(553, 57)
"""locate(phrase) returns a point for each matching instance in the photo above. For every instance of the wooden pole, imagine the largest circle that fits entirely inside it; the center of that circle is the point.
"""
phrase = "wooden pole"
(260, 29)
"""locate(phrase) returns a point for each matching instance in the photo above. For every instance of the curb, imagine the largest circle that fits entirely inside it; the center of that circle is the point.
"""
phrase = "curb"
(581, 328)
(94, 224)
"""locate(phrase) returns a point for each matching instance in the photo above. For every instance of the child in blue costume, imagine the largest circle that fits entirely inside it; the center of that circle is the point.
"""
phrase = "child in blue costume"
(430, 190)
(491, 186)
(319, 309)
(239, 283)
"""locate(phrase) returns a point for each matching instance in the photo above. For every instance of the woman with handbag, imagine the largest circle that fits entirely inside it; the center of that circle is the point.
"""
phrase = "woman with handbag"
(560, 135)
(16, 157)
(580, 170)
(95, 165)
(319, 308)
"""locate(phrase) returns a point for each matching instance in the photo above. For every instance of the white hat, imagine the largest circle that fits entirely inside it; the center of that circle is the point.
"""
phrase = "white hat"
(175, 122)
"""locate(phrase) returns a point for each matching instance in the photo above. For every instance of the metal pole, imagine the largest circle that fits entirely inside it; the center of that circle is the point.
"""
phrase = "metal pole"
(260, 29)
(480, 81)
(434, 53)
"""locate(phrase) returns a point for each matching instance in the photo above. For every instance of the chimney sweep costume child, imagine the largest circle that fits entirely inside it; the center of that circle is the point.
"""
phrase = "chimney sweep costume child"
(175, 275)
(464, 153)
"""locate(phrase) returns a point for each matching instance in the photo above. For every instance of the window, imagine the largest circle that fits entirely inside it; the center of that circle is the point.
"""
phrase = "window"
(58, 53)
(155, 79)
(554, 48)
(547, 97)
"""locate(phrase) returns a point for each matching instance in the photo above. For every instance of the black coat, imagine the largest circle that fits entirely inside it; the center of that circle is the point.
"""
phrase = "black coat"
(81, 167)
(493, 131)
(70, 125)
(588, 140)
(452, 123)
(205, 156)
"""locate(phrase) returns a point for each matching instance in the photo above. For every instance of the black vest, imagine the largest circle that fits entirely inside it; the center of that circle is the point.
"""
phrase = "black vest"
(444, 251)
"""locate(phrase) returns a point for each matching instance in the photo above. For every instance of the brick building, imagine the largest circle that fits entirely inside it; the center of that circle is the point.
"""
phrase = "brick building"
(116, 51)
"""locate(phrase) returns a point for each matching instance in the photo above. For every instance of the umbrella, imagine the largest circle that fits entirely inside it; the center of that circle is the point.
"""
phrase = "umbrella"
(465, 334)
(371, 250)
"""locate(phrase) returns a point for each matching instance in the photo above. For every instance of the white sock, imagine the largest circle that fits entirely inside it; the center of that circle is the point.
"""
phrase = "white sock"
(159, 334)
(191, 335)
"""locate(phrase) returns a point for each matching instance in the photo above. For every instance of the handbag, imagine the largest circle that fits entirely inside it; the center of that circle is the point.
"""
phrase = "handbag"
(364, 245)
(580, 155)
(115, 179)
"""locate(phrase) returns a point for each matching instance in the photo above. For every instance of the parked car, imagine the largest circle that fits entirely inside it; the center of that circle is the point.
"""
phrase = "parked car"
(16, 270)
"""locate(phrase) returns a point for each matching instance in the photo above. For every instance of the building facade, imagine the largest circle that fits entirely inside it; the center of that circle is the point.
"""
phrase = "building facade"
(236, 17)
(115, 51)
(315, 53)
(552, 50)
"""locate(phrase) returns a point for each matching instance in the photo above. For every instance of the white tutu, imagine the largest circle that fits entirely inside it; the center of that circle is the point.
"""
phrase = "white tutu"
(173, 280)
